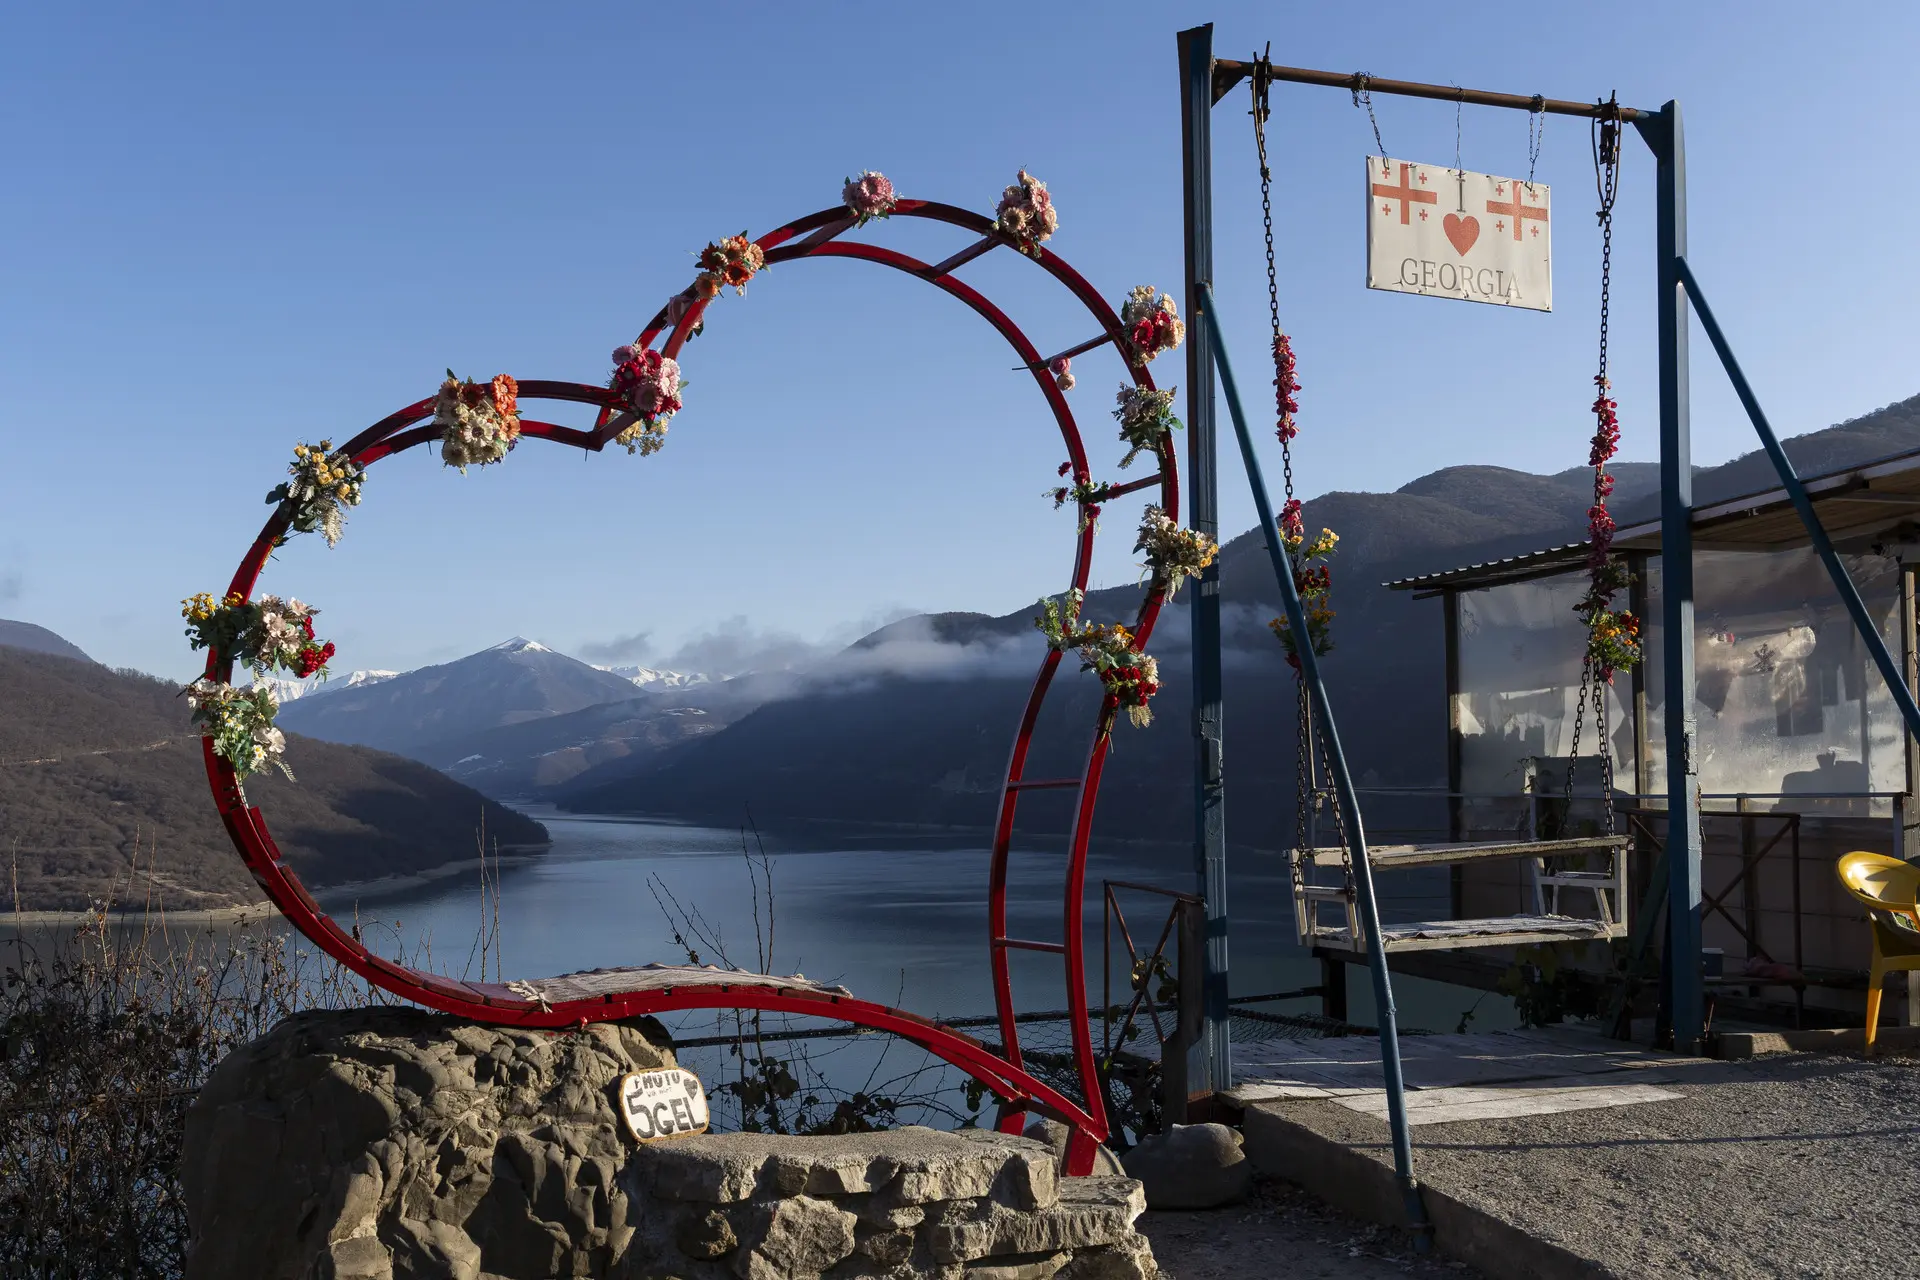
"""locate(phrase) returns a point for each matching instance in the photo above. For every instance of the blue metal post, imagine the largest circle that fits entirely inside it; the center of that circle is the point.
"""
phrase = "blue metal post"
(1204, 330)
(1203, 514)
(1664, 137)
(1816, 532)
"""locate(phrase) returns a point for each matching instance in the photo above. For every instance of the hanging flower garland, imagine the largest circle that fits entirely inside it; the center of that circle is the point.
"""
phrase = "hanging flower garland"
(1145, 417)
(1613, 635)
(649, 384)
(868, 196)
(240, 723)
(1061, 369)
(1085, 491)
(1130, 676)
(1313, 582)
(1026, 214)
(1173, 551)
(479, 422)
(1153, 325)
(323, 484)
(732, 261)
(264, 634)
(1286, 388)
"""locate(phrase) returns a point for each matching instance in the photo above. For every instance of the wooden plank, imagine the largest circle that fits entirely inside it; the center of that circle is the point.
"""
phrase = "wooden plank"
(1451, 1106)
(1392, 856)
(1496, 931)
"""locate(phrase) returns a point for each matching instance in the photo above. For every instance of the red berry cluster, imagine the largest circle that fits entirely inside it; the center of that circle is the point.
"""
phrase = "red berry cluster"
(312, 657)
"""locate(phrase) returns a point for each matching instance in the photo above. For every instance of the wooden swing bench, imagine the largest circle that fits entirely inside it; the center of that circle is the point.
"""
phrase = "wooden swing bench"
(1545, 923)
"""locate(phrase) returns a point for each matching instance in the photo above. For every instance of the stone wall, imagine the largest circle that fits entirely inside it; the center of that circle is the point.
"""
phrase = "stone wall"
(375, 1144)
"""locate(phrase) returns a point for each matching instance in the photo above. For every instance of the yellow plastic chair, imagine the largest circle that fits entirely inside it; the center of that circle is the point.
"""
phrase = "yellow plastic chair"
(1887, 888)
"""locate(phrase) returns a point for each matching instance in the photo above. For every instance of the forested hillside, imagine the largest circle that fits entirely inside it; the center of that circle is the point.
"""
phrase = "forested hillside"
(98, 768)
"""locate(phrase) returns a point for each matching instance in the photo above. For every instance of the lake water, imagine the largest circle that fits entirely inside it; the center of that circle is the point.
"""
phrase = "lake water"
(900, 920)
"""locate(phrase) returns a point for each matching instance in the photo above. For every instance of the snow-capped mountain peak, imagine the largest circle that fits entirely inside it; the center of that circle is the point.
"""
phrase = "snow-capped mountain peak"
(287, 690)
(655, 680)
(520, 644)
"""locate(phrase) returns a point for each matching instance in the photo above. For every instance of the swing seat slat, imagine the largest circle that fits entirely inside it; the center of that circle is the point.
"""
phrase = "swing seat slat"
(1396, 856)
(1500, 931)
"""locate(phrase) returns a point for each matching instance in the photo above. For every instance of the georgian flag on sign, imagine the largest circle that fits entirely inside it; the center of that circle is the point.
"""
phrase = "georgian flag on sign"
(1453, 234)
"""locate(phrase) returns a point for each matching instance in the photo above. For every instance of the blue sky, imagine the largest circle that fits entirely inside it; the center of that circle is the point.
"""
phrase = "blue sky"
(231, 228)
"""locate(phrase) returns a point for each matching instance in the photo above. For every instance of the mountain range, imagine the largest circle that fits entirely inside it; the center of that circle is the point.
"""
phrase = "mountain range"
(911, 724)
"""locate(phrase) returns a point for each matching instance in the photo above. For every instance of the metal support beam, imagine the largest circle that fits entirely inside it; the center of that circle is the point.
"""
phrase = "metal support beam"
(1456, 773)
(1203, 507)
(1909, 847)
(1227, 73)
(1684, 994)
(1203, 320)
(1863, 621)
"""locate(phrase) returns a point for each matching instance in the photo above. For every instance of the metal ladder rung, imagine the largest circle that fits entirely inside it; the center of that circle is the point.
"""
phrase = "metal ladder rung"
(1044, 784)
(961, 258)
(1025, 944)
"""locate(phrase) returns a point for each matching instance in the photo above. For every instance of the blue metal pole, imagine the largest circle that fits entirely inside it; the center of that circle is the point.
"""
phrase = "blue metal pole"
(1203, 315)
(1684, 993)
(1816, 532)
(1203, 514)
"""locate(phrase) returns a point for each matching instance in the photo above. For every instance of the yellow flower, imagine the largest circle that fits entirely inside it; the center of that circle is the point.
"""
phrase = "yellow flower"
(342, 493)
(300, 451)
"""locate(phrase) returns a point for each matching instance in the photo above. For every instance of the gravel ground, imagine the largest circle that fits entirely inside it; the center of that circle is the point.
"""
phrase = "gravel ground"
(1282, 1231)
(1788, 1165)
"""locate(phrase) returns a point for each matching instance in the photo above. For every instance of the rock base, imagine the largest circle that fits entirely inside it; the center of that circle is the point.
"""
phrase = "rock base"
(376, 1144)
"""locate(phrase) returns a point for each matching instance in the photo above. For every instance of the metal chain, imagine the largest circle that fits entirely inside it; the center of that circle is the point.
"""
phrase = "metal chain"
(1458, 103)
(1606, 178)
(1303, 789)
(1536, 134)
(1261, 110)
(1363, 97)
(1306, 794)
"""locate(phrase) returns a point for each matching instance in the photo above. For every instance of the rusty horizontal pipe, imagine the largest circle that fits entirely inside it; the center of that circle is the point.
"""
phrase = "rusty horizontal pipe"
(1228, 73)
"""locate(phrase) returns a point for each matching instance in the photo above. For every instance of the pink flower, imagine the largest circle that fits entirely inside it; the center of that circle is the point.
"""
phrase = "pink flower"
(1059, 366)
(868, 196)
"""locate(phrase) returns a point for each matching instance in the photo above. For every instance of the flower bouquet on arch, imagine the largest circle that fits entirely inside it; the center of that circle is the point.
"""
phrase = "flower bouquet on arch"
(1128, 675)
(732, 261)
(1085, 491)
(1145, 417)
(1173, 551)
(1153, 324)
(263, 635)
(479, 422)
(868, 196)
(239, 723)
(649, 385)
(323, 484)
(1026, 214)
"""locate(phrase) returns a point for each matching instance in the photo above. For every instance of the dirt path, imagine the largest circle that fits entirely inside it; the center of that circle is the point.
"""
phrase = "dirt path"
(1282, 1231)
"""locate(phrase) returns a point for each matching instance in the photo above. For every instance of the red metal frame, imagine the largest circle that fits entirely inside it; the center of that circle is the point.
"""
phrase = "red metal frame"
(1016, 1088)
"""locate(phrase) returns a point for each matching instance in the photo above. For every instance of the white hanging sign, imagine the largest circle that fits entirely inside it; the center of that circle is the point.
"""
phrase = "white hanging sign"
(669, 1103)
(1449, 233)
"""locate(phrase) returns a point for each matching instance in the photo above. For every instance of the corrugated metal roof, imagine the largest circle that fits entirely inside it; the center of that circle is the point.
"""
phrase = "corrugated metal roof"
(1852, 503)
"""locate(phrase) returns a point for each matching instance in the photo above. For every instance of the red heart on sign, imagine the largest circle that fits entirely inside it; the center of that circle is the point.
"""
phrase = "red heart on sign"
(1462, 231)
